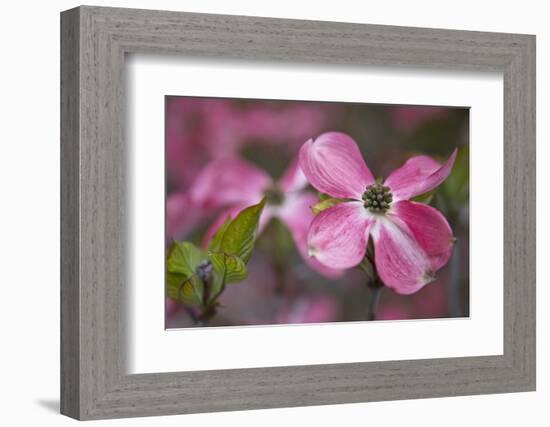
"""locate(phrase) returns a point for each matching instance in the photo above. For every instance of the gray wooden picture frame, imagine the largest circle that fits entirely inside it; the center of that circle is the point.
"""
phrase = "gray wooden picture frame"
(94, 41)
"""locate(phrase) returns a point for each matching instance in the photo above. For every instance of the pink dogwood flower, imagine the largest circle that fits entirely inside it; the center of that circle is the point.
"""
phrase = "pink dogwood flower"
(411, 240)
(233, 184)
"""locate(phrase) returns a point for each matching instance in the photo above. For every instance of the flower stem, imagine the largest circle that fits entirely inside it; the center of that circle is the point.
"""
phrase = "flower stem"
(374, 284)
(207, 315)
(375, 289)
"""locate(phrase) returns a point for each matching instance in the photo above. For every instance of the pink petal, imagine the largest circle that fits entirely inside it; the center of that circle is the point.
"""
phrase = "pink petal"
(333, 164)
(229, 181)
(338, 236)
(429, 228)
(418, 175)
(400, 261)
(297, 215)
(293, 179)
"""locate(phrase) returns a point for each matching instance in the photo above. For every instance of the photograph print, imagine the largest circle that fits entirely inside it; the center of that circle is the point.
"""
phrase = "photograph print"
(304, 212)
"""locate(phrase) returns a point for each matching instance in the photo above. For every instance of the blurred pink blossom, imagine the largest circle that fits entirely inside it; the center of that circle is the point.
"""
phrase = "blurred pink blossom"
(391, 312)
(428, 303)
(172, 307)
(411, 240)
(431, 301)
(201, 129)
(409, 117)
(234, 183)
(185, 152)
(309, 310)
(182, 215)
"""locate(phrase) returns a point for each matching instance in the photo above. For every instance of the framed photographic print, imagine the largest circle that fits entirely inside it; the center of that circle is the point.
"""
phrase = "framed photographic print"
(282, 213)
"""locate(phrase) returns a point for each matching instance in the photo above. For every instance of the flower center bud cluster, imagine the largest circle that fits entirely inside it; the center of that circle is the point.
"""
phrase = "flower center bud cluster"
(377, 198)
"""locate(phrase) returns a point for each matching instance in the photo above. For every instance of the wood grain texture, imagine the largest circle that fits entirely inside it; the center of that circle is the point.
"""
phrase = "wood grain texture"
(94, 382)
(70, 291)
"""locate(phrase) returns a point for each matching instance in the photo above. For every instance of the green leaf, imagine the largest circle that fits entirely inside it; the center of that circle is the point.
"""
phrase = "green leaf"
(186, 290)
(216, 241)
(226, 269)
(240, 234)
(231, 267)
(183, 284)
(455, 188)
(183, 258)
(229, 251)
(424, 198)
(326, 203)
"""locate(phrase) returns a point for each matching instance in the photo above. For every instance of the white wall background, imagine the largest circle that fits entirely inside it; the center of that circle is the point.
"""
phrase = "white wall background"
(29, 212)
